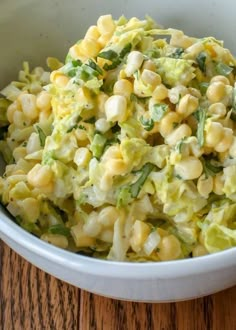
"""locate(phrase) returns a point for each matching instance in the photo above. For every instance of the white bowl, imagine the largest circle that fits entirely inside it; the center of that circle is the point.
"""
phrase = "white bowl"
(32, 30)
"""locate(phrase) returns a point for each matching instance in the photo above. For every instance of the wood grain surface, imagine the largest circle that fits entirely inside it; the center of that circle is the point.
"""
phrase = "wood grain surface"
(31, 299)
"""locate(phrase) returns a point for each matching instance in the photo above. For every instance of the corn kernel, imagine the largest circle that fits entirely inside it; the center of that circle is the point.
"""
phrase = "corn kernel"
(187, 105)
(92, 32)
(43, 101)
(89, 47)
(189, 168)
(82, 157)
(140, 232)
(123, 87)
(160, 92)
(179, 133)
(105, 24)
(28, 103)
(116, 108)
(134, 62)
(216, 91)
(170, 248)
(40, 176)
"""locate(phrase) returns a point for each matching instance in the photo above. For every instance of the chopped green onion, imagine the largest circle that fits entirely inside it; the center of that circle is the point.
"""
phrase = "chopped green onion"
(177, 53)
(59, 229)
(108, 55)
(223, 69)
(158, 111)
(200, 115)
(42, 135)
(201, 61)
(136, 187)
(147, 124)
(211, 167)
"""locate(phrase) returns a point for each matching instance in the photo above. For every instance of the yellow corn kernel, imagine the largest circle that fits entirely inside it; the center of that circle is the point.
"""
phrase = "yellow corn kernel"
(82, 157)
(123, 87)
(80, 238)
(179, 133)
(108, 215)
(170, 248)
(106, 181)
(40, 176)
(92, 32)
(116, 167)
(43, 101)
(30, 209)
(61, 80)
(189, 168)
(33, 143)
(167, 124)
(194, 92)
(199, 251)
(19, 152)
(89, 47)
(28, 103)
(160, 92)
(56, 239)
(149, 65)
(216, 91)
(217, 109)
(205, 185)
(134, 62)
(101, 100)
(75, 52)
(176, 92)
(92, 226)
(139, 234)
(214, 134)
(19, 119)
(226, 141)
(81, 135)
(105, 24)
(151, 78)
(104, 39)
(220, 78)
(187, 105)
(218, 184)
(116, 108)
(106, 235)
(102, 125)
(10, 111)
(112, 152)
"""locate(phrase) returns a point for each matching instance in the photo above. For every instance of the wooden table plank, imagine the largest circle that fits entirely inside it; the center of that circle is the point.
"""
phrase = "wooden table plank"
(215, 312)
(32, 299)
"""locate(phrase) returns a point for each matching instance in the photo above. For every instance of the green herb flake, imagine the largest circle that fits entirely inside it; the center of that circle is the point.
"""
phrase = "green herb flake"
(108, 55)
(59, 229)
(211, 166)
(147, 124)
(200, 115)
(136, 187)
(42, 136)
(201, 61)
(158, 111)
(177, 53)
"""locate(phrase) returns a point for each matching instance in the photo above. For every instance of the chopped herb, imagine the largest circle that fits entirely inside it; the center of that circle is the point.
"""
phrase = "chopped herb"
(180, 144)
(158, 111)
(94, 66)
(177, 53)
(203, 87)
(136, 187)
(42, 135)
(178, 177)
(200, 115)
(59, 229)
(108, 55)
(223, 69)
(81, 127)
(211, 166)
(91, 120)
(201, 61)
(125, 50)
(126, 193)
(147, 124)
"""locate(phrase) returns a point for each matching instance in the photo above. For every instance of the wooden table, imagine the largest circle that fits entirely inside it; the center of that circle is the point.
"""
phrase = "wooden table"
(32, 299)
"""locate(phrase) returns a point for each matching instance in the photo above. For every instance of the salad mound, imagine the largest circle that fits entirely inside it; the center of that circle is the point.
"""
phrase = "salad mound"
(127, 151)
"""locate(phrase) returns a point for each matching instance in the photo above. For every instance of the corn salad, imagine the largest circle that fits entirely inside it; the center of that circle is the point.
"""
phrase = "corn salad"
(127, 150)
